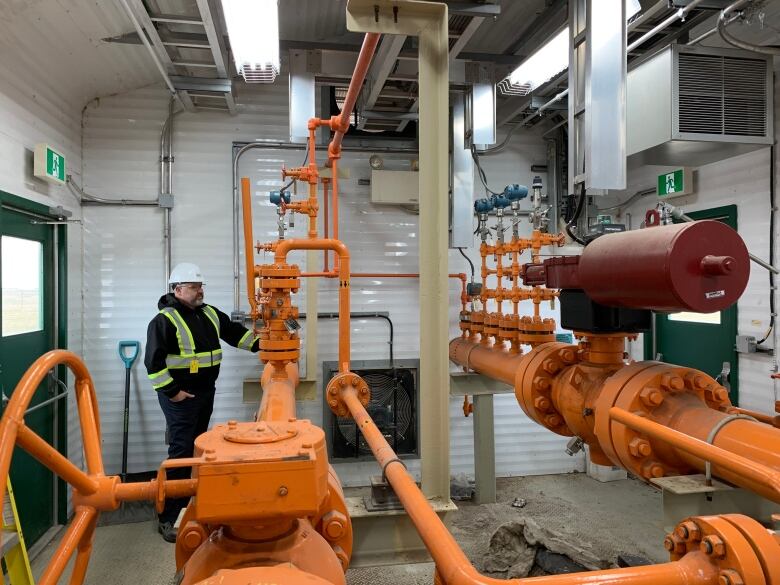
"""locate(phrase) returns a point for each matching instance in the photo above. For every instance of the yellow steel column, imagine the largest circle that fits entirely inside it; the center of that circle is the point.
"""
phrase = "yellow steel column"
(428, 20)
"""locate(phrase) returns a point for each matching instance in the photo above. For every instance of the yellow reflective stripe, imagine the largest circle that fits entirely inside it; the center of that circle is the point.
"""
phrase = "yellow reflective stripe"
(160, 379)
(213, 317)
(204, 359)
(183, 333)
(247, 341)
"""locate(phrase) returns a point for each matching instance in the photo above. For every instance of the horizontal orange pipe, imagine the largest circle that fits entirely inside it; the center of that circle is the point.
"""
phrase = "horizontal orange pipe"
(759, 416)
(283, 247)
(761, 478)
(484, 359)
(278, 401)
(147, 490)
(452, 564)
(333, 274)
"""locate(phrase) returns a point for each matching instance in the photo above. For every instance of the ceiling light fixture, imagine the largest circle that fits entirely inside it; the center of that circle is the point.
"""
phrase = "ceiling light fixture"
(253, 28)
(543, 65)
(549, 61)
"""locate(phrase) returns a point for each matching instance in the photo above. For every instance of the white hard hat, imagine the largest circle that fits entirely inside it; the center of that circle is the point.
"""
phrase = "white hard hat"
(186, 272)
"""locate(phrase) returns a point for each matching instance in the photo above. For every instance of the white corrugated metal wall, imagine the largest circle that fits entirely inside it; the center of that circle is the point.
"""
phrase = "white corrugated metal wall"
(123, 264)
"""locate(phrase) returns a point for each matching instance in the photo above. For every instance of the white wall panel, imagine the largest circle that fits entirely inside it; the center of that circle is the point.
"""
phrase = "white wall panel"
(32, 111)
(124, 277)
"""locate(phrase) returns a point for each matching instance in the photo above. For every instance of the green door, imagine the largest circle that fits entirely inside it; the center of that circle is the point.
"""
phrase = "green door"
(26, 322)
(705, 342)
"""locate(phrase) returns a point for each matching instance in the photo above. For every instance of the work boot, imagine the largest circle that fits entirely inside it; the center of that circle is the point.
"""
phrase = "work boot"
(168, 531)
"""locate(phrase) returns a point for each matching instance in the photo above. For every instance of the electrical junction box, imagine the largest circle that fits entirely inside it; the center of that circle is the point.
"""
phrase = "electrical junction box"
(48, 164)
(746, 344)
(395, 187)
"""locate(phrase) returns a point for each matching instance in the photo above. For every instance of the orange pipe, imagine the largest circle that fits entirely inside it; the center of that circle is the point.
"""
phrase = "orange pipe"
(499, 365)
(370, 42)
(747, 470)
(334, 199)
(147, 490)
(249, 257)
(282, 248)
(452, 565)
(84, 517)
(759, 416)
(326, 227)
(278, 401)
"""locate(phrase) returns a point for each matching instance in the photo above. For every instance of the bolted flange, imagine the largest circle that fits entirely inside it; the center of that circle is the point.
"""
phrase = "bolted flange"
(343, 382)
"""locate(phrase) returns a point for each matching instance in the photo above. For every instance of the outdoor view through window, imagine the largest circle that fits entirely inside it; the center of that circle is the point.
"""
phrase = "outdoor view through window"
(22, 281)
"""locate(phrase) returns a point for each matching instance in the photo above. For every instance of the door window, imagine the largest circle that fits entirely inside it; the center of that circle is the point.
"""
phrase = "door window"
(22, 282)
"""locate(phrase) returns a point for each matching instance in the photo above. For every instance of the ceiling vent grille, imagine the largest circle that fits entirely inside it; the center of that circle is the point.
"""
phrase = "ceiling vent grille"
(722, 95)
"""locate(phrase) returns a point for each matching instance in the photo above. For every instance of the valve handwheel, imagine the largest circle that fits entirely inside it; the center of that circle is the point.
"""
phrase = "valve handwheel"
(90, 489)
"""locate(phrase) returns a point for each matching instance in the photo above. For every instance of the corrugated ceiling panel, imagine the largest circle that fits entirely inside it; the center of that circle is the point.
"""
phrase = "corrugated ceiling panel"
(121, 138)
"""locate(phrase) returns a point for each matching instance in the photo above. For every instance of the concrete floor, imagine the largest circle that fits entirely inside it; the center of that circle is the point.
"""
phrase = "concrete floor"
(606, 518)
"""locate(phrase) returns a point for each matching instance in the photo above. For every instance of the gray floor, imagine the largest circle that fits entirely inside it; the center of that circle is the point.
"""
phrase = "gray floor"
(607, 518)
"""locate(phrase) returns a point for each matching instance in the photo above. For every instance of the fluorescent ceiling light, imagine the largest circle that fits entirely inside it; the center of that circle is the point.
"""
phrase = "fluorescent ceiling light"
(546, 63)
(632, 7)
(253, 28)
(549, 61)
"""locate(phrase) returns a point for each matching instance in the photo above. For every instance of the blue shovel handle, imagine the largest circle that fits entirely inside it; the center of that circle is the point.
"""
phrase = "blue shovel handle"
(129, 359)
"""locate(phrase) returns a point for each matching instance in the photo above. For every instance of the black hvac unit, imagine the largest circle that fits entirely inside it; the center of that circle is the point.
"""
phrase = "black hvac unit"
(393, 407)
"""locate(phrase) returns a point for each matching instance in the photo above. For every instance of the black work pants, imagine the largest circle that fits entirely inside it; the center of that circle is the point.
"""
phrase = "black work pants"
(186, 420)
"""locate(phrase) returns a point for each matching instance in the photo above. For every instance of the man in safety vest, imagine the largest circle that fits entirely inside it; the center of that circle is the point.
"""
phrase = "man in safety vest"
(182, 360)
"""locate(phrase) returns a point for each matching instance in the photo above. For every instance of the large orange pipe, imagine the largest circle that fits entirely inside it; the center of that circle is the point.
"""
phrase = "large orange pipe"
(453, 566)
(282, 248)
(498, 365)
(680, 427)
(278, 401)
(249, 268)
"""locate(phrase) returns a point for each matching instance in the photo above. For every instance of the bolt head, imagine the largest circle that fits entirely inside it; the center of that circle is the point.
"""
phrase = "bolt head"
(283, 490)
(714, 546)
(542, 403)
(730, 577)
(553, 420)
(669, 543)
(541, 383)
(639, 447)
(550, 366)
(720, 394)
(577, 379)
(651, 397)
(232, 424)
(192, 539)
(567, 355)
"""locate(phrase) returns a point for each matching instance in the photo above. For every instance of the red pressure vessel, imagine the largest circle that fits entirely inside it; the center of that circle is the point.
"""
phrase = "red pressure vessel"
(700, 266)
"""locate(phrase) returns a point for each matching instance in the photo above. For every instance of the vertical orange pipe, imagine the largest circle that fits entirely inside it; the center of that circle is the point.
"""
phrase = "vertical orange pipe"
(326, 227)
(249, 257)
(278, 401)
(335, 205)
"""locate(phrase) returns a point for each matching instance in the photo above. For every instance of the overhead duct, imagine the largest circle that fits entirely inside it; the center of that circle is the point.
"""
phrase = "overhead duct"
(707, 104)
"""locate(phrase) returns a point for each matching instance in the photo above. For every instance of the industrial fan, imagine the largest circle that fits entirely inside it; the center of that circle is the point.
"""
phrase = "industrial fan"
(393, 407)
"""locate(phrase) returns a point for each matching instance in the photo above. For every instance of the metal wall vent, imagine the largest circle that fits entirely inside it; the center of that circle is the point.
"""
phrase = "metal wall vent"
(722, 95)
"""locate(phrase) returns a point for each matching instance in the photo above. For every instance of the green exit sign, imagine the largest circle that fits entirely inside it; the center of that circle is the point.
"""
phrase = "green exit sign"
(49, 164)
(675, 183)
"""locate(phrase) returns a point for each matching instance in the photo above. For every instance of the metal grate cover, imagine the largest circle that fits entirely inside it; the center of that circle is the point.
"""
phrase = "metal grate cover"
(722, 95)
